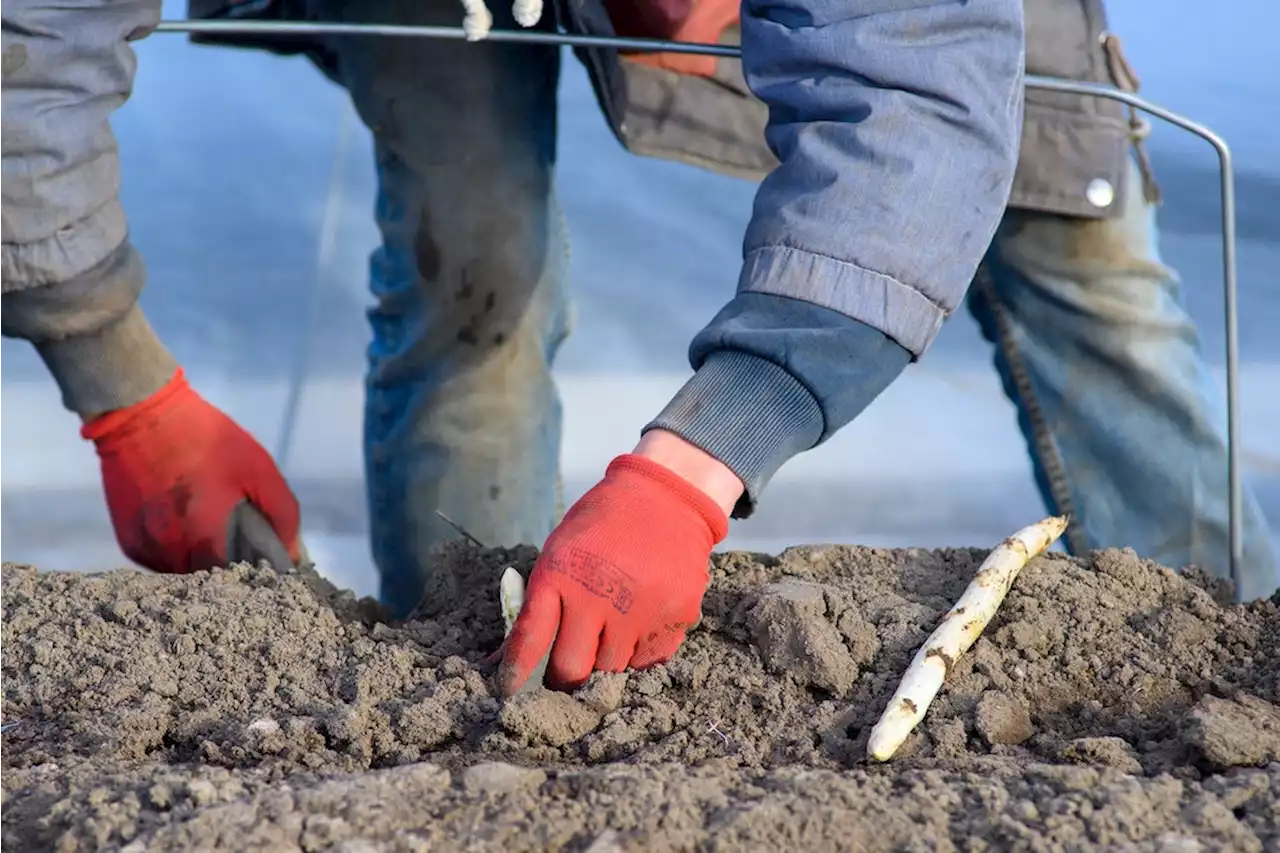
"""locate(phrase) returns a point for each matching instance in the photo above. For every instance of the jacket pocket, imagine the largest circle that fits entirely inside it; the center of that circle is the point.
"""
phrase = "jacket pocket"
(1073, 159)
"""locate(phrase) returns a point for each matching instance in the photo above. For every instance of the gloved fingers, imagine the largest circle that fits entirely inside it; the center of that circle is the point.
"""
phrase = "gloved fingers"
(658, 646)
(574, 654)
(283, 517)
(266, 488)
(154, 537)
(617, 647)
(148, 554)
(251, 538)
(530, 638)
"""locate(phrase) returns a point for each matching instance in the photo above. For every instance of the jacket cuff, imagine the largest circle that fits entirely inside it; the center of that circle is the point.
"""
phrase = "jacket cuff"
(896, 310)
(92, 335)
(114, 367)
(747, 412)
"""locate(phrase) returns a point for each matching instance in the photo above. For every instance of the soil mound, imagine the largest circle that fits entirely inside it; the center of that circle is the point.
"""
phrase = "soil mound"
(1112, 704)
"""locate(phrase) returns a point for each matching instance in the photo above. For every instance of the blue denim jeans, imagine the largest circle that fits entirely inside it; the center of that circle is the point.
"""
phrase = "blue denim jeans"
(461, 413)
(1119, 410)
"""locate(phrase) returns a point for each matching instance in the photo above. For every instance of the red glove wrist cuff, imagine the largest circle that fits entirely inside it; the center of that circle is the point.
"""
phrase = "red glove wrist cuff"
(633, 465)
(120, 420)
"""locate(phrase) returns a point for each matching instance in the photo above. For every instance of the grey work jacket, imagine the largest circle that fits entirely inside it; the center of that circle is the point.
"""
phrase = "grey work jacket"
(1074, 148)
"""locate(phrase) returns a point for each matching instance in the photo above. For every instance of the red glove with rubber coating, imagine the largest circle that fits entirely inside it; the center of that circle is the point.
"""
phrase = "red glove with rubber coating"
(175, 469)
(620, 580)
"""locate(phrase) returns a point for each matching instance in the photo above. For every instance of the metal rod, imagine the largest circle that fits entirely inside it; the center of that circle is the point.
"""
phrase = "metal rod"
(1074, 87)
(308, 28)
(1226, 176)
(325, 249)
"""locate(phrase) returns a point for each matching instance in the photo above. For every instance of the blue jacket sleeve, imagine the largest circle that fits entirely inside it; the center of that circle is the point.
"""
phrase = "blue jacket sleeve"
(896, 126)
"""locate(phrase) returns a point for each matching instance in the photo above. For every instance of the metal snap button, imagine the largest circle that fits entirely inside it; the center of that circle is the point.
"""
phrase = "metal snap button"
(1100, 193)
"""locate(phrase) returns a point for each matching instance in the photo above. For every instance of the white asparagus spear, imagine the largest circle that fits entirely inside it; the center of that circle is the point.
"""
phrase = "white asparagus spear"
(959, 630)
(511, 592)
(478, 21)
(527, 12)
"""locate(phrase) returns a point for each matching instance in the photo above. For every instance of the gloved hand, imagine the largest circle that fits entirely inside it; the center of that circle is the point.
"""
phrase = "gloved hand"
(620, 580)
(183, 480)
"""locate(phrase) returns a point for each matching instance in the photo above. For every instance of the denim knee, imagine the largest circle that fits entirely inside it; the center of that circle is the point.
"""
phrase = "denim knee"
(471, 293)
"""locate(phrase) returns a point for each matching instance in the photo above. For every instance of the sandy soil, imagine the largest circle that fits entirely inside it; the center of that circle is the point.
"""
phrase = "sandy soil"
(1111, 705)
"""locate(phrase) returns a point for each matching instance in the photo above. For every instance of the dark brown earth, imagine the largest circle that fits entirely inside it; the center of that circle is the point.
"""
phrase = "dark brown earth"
(1111, 705)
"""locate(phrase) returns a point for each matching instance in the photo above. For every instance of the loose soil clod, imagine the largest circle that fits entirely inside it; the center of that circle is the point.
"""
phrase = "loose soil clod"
(1110, 705)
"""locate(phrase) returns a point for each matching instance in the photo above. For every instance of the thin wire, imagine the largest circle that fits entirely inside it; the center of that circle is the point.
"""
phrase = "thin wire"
(466, 534)
(309, 28)
(1226, 172)
(326, 248)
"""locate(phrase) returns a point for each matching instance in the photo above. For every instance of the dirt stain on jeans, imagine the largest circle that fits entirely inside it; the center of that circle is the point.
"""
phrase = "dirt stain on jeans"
(426, 252)
(14, 58)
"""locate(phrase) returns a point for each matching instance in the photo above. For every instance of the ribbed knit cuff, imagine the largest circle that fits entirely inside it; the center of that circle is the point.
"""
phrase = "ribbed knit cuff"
(92, 335)
(114, 367)
(747, 412)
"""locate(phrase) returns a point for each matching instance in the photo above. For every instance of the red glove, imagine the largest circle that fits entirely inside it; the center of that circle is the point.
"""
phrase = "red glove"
(179, 477)
(620, 580)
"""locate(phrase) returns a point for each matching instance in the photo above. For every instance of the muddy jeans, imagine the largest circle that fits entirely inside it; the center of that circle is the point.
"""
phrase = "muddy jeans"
(461, 413)
(1115, 399)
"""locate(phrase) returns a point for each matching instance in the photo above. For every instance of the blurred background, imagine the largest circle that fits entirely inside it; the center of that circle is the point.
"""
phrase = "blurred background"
(230, 158)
